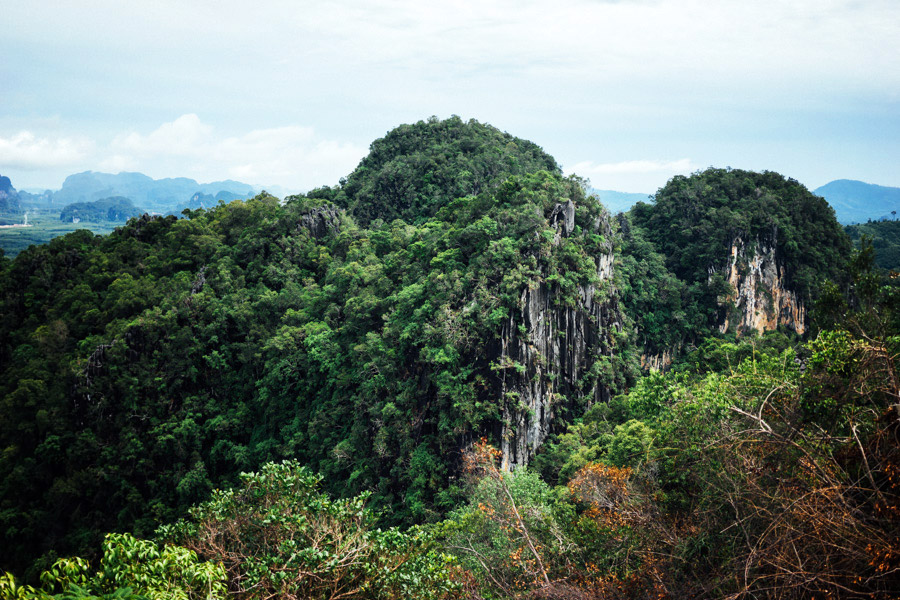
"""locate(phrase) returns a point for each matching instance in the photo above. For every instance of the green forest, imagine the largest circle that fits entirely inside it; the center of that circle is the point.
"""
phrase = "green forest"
(455, 375)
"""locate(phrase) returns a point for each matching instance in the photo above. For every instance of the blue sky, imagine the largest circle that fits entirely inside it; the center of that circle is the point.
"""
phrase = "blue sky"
(626, 93)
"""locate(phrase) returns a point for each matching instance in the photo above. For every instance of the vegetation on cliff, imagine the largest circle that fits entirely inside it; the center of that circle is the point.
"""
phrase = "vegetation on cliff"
(191, 383)
(678, 249)
(143, 369)
(415, 170)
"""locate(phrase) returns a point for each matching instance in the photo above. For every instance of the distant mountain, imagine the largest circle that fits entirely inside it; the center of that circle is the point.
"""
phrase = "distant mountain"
(116, 208)
(158, 195)
(36, 198)
(857, 201)
(201, 200)
(618, 202)
(9, 197)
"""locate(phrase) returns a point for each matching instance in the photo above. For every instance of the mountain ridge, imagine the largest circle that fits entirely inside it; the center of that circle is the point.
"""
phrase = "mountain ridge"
(153, 194)
(857, 201)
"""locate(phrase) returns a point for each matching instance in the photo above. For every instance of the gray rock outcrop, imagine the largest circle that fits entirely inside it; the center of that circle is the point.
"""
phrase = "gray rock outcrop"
(547, 351)
(321, 220)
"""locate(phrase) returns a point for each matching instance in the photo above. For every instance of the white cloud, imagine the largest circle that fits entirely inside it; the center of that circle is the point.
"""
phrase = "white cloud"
(602, 79)
(632, 175)
(118, 163)
(291, 156)
(26, 151)
(726, 44)
(588, 168)
(185, 136)
(735, 42)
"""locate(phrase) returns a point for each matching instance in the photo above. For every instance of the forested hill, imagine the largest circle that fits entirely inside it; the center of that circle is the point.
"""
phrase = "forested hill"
(454, 293)
(885, 239)
(416, 169)
(728, 249)
(9, 197)
(144, 369)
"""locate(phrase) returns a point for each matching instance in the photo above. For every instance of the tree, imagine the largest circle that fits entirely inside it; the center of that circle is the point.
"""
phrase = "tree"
(278, 535)
(129, 569)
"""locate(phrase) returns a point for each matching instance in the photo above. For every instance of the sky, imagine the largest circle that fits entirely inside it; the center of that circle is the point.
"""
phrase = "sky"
(290, 94)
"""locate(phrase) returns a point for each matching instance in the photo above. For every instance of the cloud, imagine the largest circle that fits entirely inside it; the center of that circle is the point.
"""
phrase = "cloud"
(809, 78)
(669, 167)
(632, 175)
(598, 46)
(730, 44)
(26, 151)
(291, 156)
(185, 136)
(118, 163)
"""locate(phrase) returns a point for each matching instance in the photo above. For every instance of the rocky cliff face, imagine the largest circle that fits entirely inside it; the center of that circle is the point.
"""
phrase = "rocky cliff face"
(321, 220)
(761, 297)
(549, 348)
(658, 362)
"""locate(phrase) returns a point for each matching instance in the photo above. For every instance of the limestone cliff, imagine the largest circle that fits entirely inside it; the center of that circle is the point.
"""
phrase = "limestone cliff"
(658, 362)
(548, 348)
(321, 220)
(761, 295)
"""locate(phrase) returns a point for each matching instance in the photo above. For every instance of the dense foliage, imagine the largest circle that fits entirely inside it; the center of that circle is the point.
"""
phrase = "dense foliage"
(143, 369)
(279, 536)
(130, 569)
(693, 224)
(885, 239)
(664, 308)
(694, 221)
(416, 169)
(309, 406)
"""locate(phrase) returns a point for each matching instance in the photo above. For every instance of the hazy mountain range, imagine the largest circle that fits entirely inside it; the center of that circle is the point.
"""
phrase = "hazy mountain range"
(154, 195)
(857, 201)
